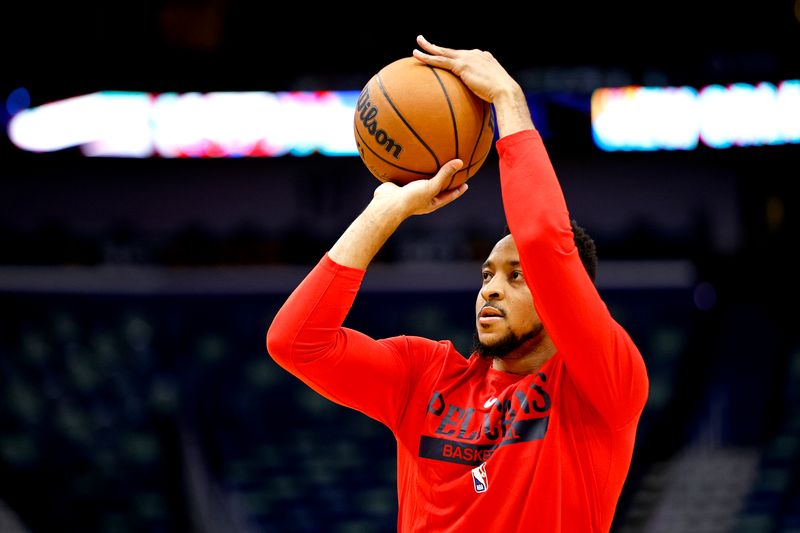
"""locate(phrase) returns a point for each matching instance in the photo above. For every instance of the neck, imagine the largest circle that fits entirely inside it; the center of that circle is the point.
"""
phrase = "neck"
(528, 358)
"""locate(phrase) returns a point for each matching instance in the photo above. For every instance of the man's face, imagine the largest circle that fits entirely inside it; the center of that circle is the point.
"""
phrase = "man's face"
(505, 318)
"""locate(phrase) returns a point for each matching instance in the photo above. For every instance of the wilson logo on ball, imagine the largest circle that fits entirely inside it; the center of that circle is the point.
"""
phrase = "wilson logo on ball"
(367, 113)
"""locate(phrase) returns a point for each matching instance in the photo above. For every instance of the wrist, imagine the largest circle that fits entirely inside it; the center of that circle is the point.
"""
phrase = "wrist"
(511, 111)
(508, 94)
(386, 212)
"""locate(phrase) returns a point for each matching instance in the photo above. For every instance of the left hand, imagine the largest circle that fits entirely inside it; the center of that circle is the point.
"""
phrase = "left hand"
(421, 197)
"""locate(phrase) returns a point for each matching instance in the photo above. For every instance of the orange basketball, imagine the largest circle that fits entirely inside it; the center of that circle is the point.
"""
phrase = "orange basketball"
(412, 118)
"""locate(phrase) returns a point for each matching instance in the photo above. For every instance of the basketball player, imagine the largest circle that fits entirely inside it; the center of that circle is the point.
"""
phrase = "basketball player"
(534, 431)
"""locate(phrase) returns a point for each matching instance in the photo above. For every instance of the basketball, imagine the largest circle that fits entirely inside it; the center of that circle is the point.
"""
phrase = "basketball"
(412, 118)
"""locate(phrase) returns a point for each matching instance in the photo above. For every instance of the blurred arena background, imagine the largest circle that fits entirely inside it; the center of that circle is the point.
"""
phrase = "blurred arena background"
(135, 293)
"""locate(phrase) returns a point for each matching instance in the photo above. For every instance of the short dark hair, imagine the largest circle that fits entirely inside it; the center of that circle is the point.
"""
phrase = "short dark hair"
(586, 248)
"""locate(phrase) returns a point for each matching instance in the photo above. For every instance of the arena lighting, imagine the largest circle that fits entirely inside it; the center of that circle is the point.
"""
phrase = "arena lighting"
(679, 118)
(169, 125)
(265, 124)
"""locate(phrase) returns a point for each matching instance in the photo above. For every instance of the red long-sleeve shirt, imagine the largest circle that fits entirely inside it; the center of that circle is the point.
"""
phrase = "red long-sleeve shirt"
(478, 449)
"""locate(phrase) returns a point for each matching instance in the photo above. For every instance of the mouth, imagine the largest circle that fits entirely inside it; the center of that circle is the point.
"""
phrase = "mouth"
(489, 315)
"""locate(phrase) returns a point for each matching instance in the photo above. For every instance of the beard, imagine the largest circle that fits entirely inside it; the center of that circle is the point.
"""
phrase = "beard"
(505, 345)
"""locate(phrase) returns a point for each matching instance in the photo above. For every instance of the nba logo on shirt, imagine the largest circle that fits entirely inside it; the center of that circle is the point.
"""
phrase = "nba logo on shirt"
(479, 478)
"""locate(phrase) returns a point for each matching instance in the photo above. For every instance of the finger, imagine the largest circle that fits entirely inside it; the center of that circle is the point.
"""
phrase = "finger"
(442, 180)
(434, 49)
(434, 61)
(445, 197)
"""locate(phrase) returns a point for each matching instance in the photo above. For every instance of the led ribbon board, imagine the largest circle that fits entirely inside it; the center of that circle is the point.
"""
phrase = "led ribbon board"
(680, 118)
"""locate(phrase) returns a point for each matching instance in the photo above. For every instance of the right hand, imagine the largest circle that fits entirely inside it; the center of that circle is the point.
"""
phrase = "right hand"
(479, 70)
(421, 197)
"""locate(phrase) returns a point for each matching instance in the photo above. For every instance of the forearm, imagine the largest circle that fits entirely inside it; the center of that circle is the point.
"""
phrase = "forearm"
(365, 236)
(511, 111)
(307, 339)
(602, 360)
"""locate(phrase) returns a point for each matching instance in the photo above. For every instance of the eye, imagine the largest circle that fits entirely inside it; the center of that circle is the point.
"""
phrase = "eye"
(516, 275)
(486, 275)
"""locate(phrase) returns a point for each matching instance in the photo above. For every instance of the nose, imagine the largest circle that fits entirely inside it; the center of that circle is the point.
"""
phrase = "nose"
(493, 290)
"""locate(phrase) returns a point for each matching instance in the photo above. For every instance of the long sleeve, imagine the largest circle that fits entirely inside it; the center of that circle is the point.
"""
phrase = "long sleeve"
(307, 339)
(599, 355)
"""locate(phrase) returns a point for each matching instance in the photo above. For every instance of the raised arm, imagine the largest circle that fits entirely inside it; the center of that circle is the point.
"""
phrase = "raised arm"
(599, 355)
(306, 336)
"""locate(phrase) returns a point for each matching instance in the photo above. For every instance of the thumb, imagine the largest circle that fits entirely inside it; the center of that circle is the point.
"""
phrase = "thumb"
(443, 179)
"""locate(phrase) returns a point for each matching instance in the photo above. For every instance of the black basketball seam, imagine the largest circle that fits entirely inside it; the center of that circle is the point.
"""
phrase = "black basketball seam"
(478, 140)
(452, 117)
(401, 117)
(376, 154)
(477, 163)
